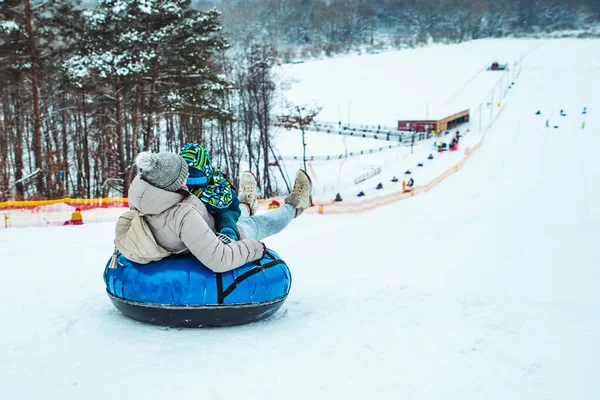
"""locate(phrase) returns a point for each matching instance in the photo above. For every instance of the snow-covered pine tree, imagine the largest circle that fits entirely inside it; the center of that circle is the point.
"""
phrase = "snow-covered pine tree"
(155, 57)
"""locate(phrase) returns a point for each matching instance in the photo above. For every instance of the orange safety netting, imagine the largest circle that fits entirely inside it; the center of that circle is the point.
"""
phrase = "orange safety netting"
(83, 204)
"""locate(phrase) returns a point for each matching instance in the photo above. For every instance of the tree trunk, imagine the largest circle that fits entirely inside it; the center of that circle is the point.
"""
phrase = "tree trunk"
(150, 131)
(37, 119)
(18, 145)
(304, 150)
(235, 165)
(65, 150)
(287, 185)
(78, 185)
(136, 119)
(86, 150)
(120, 147)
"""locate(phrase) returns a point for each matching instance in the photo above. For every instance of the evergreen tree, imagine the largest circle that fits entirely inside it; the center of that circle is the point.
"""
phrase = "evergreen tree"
(162, 51)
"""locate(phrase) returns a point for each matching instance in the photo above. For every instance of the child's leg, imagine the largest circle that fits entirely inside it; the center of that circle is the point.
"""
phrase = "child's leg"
(261, 226)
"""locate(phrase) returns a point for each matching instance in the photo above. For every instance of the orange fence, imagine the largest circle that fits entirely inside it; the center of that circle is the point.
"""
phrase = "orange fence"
(83, 204)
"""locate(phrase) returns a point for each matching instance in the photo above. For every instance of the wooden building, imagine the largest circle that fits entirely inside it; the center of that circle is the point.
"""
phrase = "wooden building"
(443, 124)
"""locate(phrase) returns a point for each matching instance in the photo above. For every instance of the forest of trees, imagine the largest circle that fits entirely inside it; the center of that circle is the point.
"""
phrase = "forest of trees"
(85, 88)
(332, 26)
(84, 91)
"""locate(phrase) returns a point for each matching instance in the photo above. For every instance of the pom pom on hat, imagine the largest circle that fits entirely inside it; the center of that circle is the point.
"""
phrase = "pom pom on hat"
(146, 160)
(164, 170)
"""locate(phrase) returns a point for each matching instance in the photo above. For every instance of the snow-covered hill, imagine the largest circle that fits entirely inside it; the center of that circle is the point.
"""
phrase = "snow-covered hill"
(377, 91)
(486, 287)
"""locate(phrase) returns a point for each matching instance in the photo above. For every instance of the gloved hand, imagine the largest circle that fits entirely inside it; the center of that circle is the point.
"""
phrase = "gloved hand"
(264, 249)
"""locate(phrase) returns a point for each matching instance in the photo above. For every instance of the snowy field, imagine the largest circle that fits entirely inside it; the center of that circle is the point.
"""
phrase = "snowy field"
(486, 287)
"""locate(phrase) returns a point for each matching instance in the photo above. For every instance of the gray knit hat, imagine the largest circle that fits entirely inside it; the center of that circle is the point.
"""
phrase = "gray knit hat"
(164, 170)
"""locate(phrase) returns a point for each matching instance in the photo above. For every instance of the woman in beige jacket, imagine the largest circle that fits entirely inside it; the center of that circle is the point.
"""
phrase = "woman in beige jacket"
(179, 221)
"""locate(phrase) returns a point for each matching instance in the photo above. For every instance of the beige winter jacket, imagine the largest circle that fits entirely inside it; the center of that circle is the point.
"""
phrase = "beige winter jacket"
(189, 225)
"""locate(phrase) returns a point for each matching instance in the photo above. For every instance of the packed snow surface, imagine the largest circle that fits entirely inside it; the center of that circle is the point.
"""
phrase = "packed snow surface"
(486, 287)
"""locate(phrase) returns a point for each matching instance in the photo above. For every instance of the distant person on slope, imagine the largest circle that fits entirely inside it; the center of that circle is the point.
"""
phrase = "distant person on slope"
(180, 221)
(76, 218)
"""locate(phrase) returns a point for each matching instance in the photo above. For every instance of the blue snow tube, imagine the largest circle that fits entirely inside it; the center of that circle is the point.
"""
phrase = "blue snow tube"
(180, 291)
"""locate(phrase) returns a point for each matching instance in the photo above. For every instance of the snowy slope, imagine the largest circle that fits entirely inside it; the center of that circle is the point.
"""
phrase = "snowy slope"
(381, 89)
(431, 82)
(486, 287)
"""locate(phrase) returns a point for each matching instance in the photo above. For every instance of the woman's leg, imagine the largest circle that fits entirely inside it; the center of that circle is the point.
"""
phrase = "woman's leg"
(244, 210)
(261, 226)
